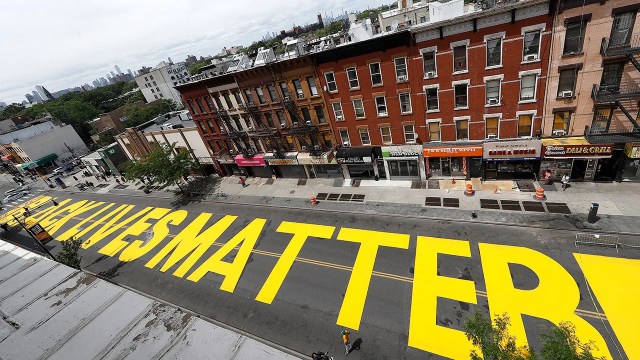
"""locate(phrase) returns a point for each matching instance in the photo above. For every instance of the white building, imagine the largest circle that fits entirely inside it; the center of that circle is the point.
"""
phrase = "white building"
(405, 15)
(160, 81)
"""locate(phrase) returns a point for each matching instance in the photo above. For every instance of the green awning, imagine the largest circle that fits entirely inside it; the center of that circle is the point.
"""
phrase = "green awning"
(45, 159)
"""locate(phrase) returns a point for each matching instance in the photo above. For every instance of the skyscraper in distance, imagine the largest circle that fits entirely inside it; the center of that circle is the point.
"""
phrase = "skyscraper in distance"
(118, 70)
(44, 93)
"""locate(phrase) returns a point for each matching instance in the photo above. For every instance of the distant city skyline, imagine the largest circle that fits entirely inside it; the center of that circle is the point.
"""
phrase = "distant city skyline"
(80, 45)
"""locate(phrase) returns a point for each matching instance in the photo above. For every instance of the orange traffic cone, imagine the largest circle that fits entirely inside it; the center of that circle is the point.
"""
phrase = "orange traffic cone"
(453, 181)
(314, 201)
(539, 194)
(469, 191)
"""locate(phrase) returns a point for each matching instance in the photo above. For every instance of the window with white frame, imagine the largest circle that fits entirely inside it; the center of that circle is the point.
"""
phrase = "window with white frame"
(460, 93)
(491, 127)
(567, 82)
(429, 63)
(460, 58)
(405, 102)
(525, 123)
(409, 133)
(531, 45)
(364, 136)
(492, 91)
(298, 86)
(285, 90)
(358, 108)
(434, 130)
(462, 129)
(381, 105)
(385, 133)
(313, 90)
(528, 87)
(432, 98)
(337, 111)
(352, 76)
(401, 69)
(331, 81)
(272, 92)
(494, 52)
(344, 137)
(376, 74)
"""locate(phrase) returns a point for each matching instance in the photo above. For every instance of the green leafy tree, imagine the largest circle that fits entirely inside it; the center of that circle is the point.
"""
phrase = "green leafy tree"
(165, 165)
(196, 66)
(494, 340)
(11, 111)
(69, 255)
(562, 343)
(106, 137)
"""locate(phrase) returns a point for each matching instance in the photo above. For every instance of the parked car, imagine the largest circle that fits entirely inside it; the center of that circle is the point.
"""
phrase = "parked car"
(59, 171)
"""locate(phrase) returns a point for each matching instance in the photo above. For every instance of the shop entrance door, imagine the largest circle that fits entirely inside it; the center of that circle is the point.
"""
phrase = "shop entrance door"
(579, 169)
(446, 166)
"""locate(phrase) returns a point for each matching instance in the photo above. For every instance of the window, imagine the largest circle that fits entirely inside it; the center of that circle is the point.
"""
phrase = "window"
(281, 118)
(260, 94)
(561, 122)
(227, 99)
(409, 134)
(298, 87)
(344, 137)
(460, 58)
(154, 84)
(434, 131)
(364, 136)
(385, 133)
(429, 63)
(491, 127)
(462, 129)
(272, 93)
(423, 19)
(622, 28)
(405, 103)
(219, 144)
(331, 81)
(236, 95)
(494, 52)
(313, 90)
(358, 108)
(306, 115)
(237, 122)
(381, 106)
(611, 77)
(320, 114)
(200, 107)
(220, 126)
(492, 90)
(460, 91)
(193, 110)
(337, 111)
(531, 45)
(212, 130)
(207, 99)
(269, 119)
(376, 74)
(352, 76)
(574, 37)
(524, 125)
(528, 87)
(567, 82)
(432, 99)
(401, 69)
(153, 91)
(285, 90)
(218, 102)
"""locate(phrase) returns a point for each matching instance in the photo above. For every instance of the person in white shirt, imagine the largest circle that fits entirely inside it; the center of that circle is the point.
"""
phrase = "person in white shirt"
(565, 181)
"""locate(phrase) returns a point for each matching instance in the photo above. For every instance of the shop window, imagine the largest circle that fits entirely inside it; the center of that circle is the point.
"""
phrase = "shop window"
(236, 95)
(460, 58)
(385, 133)
(227, 99)
(492, 91)
(358, 108)
(260, 94)
(344, 137)
(432, 99)
(285, 90)
(525, 122)
(405, 103)
(401, 69)
(320, 114)
(561, 122)
(461, 95)
(352, 76)
(567, 83)
(491, 127)
(574, 37)
(528, 87)
(409, 134)
(429, 64)
(364, 136)
(494, 52)
(531, 46)
(298, 87)
(376, 74)
(381, 106)
(337, 111)
(311, 82)
(622, 28)
(434, 131)
(331, 81)
(462, 129)
(272, 92)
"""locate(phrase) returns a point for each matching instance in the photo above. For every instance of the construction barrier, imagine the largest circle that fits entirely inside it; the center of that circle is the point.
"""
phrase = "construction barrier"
(539, 194)
(314, 201)
(469, 191)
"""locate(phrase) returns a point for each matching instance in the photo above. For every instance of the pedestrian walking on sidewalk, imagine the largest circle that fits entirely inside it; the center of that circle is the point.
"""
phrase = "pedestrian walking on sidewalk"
(243, 182)
(347, 344)
(565, 181)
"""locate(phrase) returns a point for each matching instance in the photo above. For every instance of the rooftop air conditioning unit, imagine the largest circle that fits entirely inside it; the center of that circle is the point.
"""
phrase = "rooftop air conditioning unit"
(431, 74)
(295, 123)
(531, 57)
(566, 94)
(402, 78)
(493, 101)
(308, 122)
(492, 136)
(559, 132)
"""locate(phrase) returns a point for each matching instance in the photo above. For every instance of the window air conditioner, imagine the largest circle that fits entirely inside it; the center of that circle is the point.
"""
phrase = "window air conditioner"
(531, 57)
(282, 126)
(346, 144)
(339, 117)
(493, 101)
(222, 131)
(431, 74)
(566, 94)
(492, 136)
(304, 148)
(308, 122)
(402, 78)
(295, 123)
(250, 128)
(559, 132)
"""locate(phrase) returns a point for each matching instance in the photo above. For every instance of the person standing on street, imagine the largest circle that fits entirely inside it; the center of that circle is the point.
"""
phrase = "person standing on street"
(565, 181)
(243, 181)
(347, 343)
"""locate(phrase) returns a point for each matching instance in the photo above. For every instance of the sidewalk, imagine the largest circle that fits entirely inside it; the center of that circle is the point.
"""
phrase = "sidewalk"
(55, 312)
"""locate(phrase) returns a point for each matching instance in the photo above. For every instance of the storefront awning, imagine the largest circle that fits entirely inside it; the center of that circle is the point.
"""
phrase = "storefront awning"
(45, 159)
(576, 147)
(325, 158)
(355, 155)
(572, 140)
(256, 160)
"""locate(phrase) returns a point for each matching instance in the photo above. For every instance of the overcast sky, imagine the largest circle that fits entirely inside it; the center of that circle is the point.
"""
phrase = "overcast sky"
(65, 43)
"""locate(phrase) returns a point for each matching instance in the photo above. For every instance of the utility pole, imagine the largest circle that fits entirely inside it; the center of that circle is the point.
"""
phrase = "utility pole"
(34, 239)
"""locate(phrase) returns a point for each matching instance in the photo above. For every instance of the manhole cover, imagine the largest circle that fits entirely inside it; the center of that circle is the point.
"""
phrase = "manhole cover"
(292, 192)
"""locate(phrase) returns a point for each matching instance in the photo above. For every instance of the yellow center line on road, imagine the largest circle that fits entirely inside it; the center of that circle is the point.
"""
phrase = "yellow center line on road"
(586, 313)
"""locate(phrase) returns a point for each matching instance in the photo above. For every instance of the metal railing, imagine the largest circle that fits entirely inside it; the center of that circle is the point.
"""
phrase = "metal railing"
(613, 93)
(619, 47)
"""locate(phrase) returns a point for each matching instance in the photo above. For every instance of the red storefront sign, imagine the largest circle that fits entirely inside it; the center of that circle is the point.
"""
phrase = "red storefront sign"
(452, 151)
(257, 160)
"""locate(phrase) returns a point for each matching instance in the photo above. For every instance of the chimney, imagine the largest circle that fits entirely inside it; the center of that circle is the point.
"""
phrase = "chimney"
(402, 4)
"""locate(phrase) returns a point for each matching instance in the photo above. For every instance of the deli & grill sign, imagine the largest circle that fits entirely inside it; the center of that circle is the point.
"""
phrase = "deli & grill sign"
(572, 151)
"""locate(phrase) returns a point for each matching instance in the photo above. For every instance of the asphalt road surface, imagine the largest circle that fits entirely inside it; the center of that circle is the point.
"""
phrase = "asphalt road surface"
(427, 276)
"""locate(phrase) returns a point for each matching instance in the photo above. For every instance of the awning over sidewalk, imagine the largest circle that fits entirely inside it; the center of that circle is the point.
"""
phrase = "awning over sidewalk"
(575, 147)
(45, 159)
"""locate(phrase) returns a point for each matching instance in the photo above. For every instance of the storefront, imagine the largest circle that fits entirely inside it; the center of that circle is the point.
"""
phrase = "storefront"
(254, 166)
(403, 162)
(287, 166)
(632, 163)
(511, 159)
(228, 165)
(323, 166)
(573, 156)
(445, 161)
(361, 162)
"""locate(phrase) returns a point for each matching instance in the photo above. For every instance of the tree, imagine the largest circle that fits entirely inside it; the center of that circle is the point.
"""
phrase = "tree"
(106, 137)
(562, 343)
(494, 340)
(69, 255)
(165, 165)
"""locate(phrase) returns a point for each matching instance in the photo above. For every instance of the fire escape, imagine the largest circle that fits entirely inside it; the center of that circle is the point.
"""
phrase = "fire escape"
(265, 132)
(304, 130)
(616, 94)
(235, 135)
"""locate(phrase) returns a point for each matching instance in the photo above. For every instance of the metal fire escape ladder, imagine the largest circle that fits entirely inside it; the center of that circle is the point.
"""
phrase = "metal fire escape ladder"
(234, 134)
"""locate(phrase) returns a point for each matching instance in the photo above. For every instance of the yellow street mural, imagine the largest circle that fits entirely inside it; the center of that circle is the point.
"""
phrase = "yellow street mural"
(555, 298)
